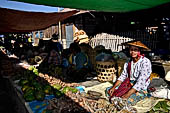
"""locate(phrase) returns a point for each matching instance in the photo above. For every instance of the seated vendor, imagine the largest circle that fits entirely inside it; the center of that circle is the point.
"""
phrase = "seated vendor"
(77, 58)
(138, 69)
(78, 61)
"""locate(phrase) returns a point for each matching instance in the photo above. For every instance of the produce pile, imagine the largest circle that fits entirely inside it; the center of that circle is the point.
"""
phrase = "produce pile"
(80, 102)
(36, 85)
(51, 69)
(161, 107)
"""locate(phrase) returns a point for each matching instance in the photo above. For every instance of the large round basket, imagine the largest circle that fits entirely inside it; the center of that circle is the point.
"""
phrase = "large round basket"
(105, 70)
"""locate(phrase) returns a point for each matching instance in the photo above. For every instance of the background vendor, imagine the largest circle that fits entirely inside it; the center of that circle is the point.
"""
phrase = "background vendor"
(56, 43)
(78, 61)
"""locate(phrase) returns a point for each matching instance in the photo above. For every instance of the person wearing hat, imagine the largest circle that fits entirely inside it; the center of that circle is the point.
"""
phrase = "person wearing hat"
(80, 37)
(139, 74)
(55, 43)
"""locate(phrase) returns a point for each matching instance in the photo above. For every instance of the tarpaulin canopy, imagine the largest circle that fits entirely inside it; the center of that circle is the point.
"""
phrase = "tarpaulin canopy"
(21, 21)
(101, 5)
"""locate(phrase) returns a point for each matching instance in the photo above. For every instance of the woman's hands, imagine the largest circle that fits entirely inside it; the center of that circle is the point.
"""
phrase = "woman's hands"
(126, 96)
(111, 90)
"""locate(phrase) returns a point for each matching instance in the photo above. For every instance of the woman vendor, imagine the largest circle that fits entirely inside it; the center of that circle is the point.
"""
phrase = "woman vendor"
(139, 74)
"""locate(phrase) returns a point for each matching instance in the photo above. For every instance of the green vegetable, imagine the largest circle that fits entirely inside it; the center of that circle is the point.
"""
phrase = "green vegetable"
(168, 108)
(35, 71)
(39, 95)
(31, 77)
(29, 98)
(73, 90)
(151, 111)
(38, 86)
(158, 105)
(58, 94)
(164, 106)
(57, 86)
(23, 82)
(48, 89)
(29, 90)
(161, 107)
(29, 95)
(168, 103)
(31, 68)
(33, 83)
(156, 109)
(66, 89)
(24, 88)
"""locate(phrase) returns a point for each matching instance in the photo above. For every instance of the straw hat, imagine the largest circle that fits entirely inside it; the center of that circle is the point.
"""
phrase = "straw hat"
(167, 76)
(137, 44)
(81, 37)
(46, 38)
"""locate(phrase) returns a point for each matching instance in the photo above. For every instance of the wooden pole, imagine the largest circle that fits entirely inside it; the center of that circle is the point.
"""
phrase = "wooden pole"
(59, 25)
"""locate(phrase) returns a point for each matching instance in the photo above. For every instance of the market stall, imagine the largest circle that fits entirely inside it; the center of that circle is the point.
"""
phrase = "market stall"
(41, 85)
(48, 90)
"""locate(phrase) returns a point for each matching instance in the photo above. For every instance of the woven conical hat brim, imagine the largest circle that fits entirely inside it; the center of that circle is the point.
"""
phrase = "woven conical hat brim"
(138, 44)
(167, 77)
(80, 37)
(84, 40)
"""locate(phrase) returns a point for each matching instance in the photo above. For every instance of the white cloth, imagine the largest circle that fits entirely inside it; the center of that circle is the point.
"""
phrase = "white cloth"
(133, 66)
(161, 92)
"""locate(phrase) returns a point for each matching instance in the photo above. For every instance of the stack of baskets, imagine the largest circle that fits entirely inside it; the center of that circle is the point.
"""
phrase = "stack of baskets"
(105, 70)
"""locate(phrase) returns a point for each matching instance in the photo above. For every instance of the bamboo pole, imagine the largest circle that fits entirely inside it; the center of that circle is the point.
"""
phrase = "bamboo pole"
(59, 25)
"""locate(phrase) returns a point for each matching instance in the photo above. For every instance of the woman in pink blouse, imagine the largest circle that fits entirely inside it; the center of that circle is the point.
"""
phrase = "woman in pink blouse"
(140, 70)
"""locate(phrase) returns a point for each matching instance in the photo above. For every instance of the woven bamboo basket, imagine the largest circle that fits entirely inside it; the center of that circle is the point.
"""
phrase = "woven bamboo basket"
(105, 70)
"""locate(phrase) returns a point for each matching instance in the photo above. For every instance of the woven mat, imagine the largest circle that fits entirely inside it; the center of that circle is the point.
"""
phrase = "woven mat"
(99, 88)
(142, 106)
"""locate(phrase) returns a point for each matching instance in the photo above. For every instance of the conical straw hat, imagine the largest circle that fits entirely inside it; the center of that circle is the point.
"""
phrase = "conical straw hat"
(81, 36)
(167, 77)
(137, 44)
